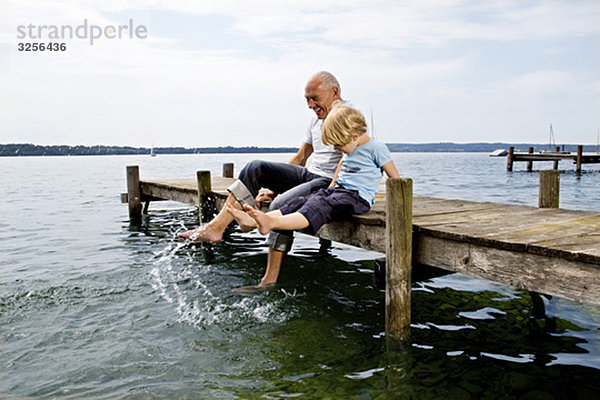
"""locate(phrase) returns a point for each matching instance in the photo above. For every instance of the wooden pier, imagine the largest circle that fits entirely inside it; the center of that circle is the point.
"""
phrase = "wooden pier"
(578, 158)
(547, 250)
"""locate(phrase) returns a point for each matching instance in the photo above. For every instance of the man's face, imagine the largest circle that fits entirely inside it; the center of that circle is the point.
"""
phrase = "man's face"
(319, 99)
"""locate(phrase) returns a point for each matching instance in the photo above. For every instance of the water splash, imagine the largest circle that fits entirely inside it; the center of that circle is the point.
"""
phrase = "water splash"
(201, 300)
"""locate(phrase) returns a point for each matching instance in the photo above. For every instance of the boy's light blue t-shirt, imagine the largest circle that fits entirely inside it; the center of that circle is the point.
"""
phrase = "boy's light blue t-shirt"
(361, 170)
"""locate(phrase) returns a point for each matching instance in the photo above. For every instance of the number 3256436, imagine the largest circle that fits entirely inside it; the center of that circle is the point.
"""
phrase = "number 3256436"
(50, 46)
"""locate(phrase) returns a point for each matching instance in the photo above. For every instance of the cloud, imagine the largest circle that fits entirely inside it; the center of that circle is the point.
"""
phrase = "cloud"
(238, 75)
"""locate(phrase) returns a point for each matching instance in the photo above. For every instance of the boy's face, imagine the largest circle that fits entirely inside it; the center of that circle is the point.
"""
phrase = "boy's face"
(349, 147)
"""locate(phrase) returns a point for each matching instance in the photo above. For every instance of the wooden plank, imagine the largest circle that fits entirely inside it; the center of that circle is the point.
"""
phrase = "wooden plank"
(555, 276)
(427, 206)
(542, 157)
(170, 192)
(585, 158)
(182, 190)
(503, 219)
(523, 232)
(369, 237)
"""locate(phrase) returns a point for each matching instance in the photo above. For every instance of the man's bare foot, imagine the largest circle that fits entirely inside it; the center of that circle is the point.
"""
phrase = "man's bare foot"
(205, 233)
(264, 221)
(254, 289)
(186, 235)
(245, 222)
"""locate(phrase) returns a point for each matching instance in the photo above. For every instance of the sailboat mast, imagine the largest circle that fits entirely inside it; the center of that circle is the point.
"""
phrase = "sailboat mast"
(552, 141)
(372, 123)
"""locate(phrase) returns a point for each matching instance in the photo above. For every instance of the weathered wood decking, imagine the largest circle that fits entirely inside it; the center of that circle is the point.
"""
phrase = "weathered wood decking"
(551, 251)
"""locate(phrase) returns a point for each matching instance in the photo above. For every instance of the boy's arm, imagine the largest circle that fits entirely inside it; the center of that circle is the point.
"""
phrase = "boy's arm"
(335, 176)
(390, 170)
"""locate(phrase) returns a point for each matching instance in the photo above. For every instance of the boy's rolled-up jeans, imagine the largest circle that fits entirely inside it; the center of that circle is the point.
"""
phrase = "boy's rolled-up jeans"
(290, 181)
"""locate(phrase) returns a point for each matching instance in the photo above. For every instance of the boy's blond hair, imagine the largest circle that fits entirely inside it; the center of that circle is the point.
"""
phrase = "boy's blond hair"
(342, 124)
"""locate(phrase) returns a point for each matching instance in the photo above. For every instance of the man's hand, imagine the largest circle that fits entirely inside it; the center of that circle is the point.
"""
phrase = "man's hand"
(264, 195)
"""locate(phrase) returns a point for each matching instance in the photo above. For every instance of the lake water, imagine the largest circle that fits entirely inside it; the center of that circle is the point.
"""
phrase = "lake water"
(91, 307)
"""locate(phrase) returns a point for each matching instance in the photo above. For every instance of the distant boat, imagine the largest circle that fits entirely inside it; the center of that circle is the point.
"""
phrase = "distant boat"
(499, 153)
(152, 154)
(552, 148)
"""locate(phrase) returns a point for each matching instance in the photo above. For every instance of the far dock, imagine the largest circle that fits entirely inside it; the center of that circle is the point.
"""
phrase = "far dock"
(546, 250)
(577, 158)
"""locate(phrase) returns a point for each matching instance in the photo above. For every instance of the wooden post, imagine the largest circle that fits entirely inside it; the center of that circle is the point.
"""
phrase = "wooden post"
(579, 156)
(228, 170)
(204, 189)
(398, 258)
(556, 161)
(549, 188)
(509, 159)
(134, 196)
(530, 163)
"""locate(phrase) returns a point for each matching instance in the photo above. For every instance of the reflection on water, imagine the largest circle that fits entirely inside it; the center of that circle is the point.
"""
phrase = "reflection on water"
(92, 307)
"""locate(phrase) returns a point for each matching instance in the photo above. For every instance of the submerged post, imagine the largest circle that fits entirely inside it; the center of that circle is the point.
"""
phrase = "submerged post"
(579, 157)
(530, 163)
(398, 257)
(555, 166)
(204, 189)
(509, 159)
(227, 170)
(134, 196)
(549, 189)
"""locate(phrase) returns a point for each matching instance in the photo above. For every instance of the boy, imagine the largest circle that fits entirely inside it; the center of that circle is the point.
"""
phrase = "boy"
(352, 190)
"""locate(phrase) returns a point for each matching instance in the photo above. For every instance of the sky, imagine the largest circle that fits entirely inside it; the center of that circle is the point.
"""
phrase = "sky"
(232, 73)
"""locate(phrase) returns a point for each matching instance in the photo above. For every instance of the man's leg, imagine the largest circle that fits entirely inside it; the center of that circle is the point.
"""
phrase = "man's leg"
(280, 242)
(274, 262)
(279, 177)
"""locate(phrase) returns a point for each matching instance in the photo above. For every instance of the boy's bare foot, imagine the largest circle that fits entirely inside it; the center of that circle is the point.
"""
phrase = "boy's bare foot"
(245, 222)
(264, 221)
(205, 233)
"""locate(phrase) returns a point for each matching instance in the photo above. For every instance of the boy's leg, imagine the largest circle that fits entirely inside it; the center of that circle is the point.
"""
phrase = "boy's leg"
(245, 222)
(275, 220)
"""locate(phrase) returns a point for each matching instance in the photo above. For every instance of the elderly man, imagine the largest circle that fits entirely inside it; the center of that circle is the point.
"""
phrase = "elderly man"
(285, 181)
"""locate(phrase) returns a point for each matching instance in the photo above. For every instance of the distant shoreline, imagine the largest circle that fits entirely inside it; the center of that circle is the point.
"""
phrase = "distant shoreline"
(26, 149)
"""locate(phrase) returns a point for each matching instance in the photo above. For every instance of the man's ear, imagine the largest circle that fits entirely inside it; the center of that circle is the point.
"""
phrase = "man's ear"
(336, 91)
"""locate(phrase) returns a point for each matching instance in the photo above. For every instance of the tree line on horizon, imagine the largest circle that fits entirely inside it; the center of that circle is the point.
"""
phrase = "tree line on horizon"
(27, 149)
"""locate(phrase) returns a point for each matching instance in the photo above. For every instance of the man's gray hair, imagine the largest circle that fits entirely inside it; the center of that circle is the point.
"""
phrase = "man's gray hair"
(328, 80)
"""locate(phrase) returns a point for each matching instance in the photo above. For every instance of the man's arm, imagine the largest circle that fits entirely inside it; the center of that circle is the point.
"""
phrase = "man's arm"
(302, 155)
